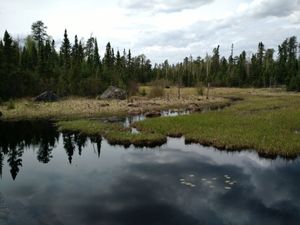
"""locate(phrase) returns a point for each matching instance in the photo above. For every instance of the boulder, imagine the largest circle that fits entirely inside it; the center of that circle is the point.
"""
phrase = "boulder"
(47, 96)
(114, 93)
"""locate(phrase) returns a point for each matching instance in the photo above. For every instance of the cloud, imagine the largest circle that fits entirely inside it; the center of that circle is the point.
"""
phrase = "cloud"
(162, 6)
(266, 8)
(295, 17)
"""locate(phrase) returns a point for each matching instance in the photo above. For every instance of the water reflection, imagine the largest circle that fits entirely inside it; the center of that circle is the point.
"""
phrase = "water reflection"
(16, 136)
(69, 184)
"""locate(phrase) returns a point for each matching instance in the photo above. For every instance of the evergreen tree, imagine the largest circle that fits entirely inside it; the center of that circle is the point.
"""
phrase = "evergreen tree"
(260, 63)
(65, 83)
(65, 52)
(39, 32)
(96, 61)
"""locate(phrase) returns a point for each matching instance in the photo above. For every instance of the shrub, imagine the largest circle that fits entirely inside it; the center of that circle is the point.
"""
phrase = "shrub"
(143, 92)
(11, 105)
(294, 84)
(157, 91)
(200, 88)
(133, 88)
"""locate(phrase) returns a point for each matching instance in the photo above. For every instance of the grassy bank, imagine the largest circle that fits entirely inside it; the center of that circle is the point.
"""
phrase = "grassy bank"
(267, 120)
(270, 124)
(114, 133)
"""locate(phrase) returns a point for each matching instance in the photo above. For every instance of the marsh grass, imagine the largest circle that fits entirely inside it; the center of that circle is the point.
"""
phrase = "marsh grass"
(11, 105)
(266, 120)
(265, 124)
(114, 133)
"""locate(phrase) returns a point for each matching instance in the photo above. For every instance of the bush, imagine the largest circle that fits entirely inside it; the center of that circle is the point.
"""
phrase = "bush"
(200, 88)
(294, 84)
(11, 105)
(143, 92)
(156, 91)
(133, 88)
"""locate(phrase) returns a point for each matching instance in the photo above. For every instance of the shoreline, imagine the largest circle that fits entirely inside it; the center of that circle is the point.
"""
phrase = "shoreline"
(265, 121)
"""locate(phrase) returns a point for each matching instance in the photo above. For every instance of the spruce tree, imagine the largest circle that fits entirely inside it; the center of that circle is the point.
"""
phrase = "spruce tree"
(96, 55)
(65, 51)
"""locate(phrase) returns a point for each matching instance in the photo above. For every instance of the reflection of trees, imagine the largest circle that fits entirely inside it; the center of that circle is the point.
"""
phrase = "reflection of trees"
(15, 160)
(80, 141)
(46, 145)
(1, 162)
(71, 141)
(98, 141)
(16, 136)
(69, 146)
(44, 153)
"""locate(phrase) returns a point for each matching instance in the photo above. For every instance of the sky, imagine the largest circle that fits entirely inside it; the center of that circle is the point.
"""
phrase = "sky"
(160, 29)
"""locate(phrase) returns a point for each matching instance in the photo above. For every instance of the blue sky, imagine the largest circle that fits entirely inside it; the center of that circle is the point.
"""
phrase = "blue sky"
(160, 29)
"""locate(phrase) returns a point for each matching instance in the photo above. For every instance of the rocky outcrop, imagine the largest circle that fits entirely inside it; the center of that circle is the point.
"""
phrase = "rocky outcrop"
(47, 96)
(114, 93)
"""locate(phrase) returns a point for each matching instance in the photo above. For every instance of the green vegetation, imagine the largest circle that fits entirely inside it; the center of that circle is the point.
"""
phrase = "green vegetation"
(268, 124)
(114, 133)
(31, 67)
(10, 105)
(267, 121)
(157, 91)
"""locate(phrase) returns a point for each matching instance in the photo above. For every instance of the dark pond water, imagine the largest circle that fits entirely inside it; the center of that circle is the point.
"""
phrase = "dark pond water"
(63, 179)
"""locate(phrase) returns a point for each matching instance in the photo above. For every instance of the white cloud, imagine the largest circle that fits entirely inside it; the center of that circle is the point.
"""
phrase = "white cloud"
(161, 5)
(295, 17)
(161, 30)
(265, 8)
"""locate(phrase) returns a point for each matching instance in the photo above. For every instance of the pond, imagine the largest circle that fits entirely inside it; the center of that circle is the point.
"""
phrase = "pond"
(68, 179)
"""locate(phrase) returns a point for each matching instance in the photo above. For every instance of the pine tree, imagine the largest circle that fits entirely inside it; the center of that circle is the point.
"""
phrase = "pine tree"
(96, 56)
(39, 32)
(65, 52)
(75, 52)
(260, 63)
(108, 58)
(65, 84)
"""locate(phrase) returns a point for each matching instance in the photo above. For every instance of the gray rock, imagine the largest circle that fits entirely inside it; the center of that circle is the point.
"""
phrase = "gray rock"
(47, 96)
(114, 93)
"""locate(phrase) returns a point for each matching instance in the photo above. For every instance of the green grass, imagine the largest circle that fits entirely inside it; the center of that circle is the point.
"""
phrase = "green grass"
(114, 133)
(267, 120)
(266, 124)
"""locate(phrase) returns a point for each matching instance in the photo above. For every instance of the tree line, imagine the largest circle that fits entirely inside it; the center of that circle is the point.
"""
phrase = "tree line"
(36, 65)
(261, 69)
